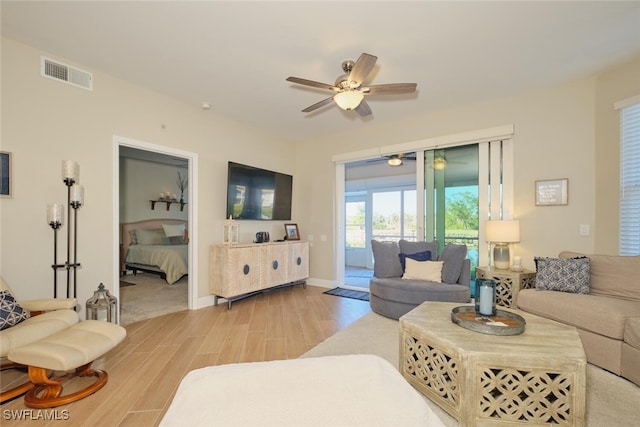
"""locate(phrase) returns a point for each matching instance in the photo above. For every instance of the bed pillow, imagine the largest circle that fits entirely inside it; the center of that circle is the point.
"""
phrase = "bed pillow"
(11, 313)
(174, 233)
(386, 262)
(453, 256)
(423, 270)
(133, 236)
(150, 237)
(564, 275)
(420, 256)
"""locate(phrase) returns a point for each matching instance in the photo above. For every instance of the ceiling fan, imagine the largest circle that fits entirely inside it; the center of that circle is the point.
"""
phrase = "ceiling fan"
(349, 88)
(396, 159)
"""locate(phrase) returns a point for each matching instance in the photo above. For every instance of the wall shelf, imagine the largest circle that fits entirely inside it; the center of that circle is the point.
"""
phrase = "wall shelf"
(168, 202)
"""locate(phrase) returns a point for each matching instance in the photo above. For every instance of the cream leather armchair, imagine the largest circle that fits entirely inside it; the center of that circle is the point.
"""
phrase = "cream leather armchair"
(48, 316)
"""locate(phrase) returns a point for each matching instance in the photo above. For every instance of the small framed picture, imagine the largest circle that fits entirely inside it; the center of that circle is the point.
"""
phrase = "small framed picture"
(5, 174)
(552, 192)
(292, 232)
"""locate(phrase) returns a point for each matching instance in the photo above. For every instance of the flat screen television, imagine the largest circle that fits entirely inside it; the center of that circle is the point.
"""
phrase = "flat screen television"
(258, 194)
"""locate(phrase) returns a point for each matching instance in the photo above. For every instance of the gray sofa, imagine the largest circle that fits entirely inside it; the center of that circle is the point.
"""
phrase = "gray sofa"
(605, 309)
(393, 296)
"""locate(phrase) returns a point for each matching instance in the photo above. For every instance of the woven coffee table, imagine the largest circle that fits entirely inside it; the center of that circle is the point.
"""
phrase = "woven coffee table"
(537, 377)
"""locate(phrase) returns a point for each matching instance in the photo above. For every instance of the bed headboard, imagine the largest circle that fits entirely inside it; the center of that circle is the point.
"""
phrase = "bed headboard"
(149, 224)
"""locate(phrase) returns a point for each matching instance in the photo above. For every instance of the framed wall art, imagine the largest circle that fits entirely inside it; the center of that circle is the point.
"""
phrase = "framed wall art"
(552, 192)
(5, 174)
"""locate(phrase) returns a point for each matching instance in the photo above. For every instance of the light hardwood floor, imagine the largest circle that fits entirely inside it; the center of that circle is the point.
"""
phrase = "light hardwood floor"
(146, 368)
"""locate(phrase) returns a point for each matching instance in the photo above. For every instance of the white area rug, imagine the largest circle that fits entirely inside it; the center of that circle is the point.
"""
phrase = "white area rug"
(150, 296)
(611, 400)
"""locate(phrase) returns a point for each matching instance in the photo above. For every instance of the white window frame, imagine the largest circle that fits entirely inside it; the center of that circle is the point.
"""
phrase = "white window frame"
(503, 209)
(629, 204)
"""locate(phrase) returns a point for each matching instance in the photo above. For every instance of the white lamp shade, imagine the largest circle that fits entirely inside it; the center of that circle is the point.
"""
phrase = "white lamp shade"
(506, 231)
(348, 99)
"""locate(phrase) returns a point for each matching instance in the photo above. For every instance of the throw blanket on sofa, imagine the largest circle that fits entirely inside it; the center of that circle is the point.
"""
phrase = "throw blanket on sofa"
(352, 390)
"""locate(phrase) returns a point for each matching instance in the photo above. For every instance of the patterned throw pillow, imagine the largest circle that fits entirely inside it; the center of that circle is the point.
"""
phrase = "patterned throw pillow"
(10, 311)
(564, 275)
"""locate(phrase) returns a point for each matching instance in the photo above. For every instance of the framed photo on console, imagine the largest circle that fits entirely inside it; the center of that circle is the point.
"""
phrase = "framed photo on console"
(292, 232)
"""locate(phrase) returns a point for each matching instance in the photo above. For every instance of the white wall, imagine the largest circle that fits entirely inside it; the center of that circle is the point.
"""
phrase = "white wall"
(141, 181)
(554, 138)
(614, 85)
(45, 122)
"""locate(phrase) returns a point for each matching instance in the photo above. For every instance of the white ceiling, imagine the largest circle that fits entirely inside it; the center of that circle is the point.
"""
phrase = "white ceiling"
(236, 55)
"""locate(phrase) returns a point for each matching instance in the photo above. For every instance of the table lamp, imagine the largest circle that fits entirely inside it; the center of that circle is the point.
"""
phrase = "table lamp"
(501, 233)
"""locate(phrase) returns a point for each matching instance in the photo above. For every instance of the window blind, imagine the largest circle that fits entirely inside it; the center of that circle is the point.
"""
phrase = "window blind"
(630, 180)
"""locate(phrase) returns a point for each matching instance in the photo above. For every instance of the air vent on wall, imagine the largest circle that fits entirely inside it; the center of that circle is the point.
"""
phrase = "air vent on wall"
(61, 72)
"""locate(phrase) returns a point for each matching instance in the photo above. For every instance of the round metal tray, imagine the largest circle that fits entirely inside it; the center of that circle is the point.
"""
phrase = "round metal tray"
(503, 323)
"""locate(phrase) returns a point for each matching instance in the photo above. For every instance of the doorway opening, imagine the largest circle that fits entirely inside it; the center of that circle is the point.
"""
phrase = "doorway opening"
(380, 204)
(149, 196)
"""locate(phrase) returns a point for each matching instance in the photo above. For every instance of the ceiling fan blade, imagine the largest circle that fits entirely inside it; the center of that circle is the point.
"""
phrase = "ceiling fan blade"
(312, 83)
(317, 105)
(390, 89)
(363, 109)
(361, 69)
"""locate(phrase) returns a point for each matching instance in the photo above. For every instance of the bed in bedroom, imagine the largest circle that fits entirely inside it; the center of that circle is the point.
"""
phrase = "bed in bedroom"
(158, 246)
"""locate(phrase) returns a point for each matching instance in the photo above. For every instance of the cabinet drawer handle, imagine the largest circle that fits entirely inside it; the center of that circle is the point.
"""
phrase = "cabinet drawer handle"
(246, 269)
(275, 264)
(299, 261)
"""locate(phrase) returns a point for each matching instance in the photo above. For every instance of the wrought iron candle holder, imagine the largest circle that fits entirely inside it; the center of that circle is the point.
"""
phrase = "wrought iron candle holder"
(75, 199)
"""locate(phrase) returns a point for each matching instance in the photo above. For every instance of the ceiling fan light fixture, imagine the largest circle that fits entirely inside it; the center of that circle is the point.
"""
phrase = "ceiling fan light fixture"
(348, 99)
(394, 161)
(439, 163)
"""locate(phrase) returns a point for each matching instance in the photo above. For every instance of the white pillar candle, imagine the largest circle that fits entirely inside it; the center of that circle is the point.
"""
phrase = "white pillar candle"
(70, 170)
(517, 261)
(77, 194)
(486, 300)
(55, 213)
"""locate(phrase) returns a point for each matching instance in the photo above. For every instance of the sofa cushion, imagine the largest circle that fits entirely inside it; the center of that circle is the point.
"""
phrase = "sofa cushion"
(11, 313)
(407, 247)
(423, 270)
(599, 314)
(453, 255)
(420, 256)
(612, 275)
(564, 275)
(386, 262)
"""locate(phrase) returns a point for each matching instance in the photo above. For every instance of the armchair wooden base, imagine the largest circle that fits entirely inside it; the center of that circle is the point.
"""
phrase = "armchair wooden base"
(19, 390)
(46, 392)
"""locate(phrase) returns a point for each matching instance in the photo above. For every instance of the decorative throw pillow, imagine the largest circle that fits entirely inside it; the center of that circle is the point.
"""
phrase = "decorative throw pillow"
(11, 313)
(150, 237)
(420, 256)
(453, 256)
(407, 247)
(423, 270)
(134, 237)
(386, 262)
(564, 275)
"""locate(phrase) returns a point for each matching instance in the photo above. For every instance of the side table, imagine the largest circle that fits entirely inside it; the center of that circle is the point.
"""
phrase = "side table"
(508, 283)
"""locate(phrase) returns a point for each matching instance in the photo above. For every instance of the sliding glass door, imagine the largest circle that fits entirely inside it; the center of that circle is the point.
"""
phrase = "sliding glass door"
(451, 198)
